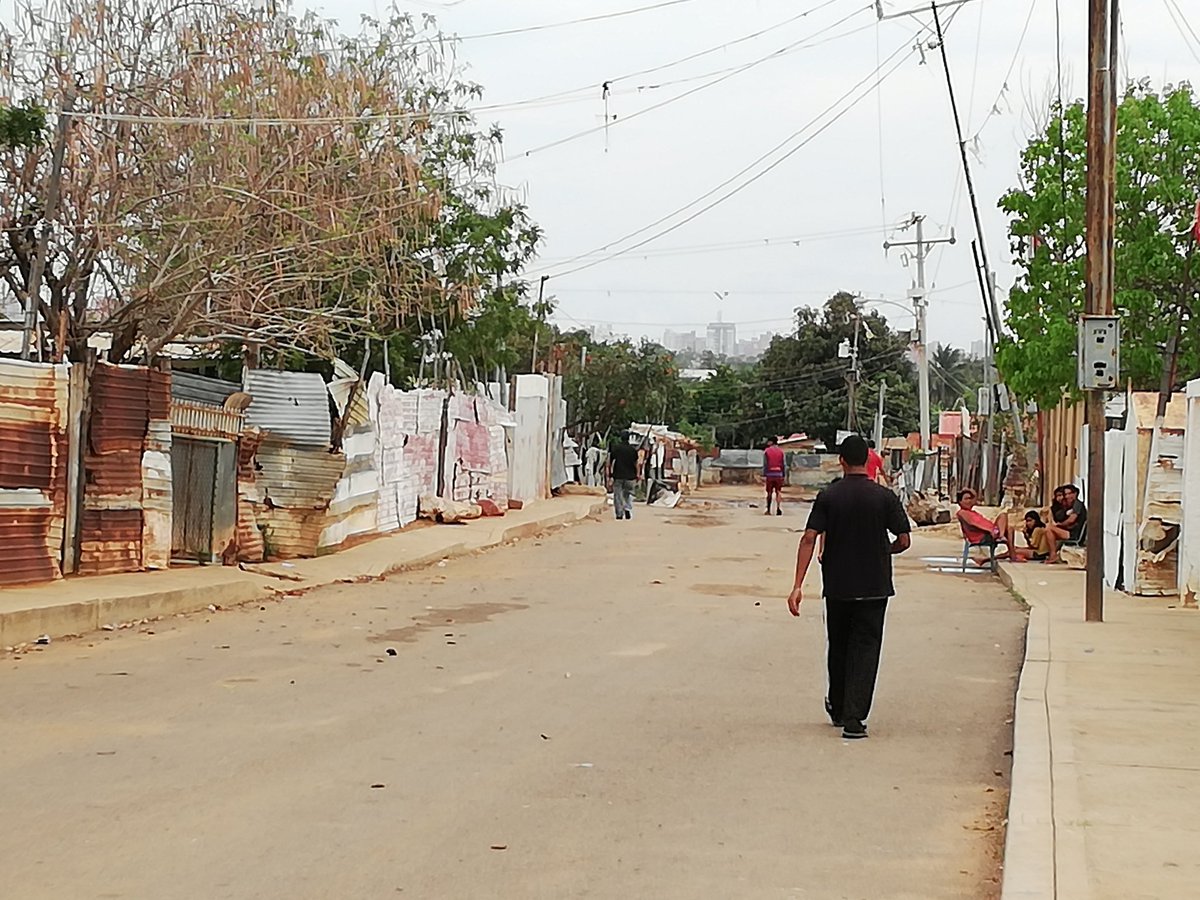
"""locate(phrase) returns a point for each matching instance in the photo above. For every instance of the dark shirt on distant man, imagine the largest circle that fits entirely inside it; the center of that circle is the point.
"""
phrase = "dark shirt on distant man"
(856, 516)
(625, 462)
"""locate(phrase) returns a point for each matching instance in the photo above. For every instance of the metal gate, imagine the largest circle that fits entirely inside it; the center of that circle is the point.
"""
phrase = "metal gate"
(194, 480)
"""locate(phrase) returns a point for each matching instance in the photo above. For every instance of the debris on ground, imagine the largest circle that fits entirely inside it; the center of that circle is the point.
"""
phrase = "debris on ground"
(490, 509)
(668, 500)
(447, 512)
(928, 510)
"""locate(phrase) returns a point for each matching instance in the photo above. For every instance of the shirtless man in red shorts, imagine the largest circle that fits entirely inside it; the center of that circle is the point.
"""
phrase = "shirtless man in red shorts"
(774, 473)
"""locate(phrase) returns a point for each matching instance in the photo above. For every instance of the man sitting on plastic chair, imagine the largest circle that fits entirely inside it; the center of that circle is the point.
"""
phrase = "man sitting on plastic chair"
(1069, 528)
(982, 532)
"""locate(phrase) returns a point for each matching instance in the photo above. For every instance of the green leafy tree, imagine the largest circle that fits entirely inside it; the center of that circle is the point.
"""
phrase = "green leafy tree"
(800, 383)
(804, 382)
(1158, 178)
(22, 126)
(622, 383)
(953, 377)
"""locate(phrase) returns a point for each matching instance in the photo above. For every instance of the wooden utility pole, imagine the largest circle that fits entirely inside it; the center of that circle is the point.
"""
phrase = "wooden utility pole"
(1103, 24)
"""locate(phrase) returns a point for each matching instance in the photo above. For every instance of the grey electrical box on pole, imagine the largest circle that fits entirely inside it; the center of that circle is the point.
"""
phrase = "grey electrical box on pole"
(1099, 353)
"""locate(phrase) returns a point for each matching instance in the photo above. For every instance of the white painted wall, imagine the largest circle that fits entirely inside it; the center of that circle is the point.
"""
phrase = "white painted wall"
(1189, 544)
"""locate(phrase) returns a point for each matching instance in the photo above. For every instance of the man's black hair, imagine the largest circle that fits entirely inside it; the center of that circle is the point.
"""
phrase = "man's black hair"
(964, 493)
(853, 450)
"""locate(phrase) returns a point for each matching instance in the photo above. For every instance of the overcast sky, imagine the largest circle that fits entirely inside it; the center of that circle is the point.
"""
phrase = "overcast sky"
(818, 217)
(592, 191)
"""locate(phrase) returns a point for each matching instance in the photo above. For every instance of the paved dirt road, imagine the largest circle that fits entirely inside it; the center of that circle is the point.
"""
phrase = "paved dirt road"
(619, 710)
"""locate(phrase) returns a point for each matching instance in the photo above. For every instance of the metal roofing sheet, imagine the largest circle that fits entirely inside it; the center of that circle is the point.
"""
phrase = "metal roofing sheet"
(120, 407)
(111, 541)
(26, 534)
(297, 477)
(198, 389)
(292, 406)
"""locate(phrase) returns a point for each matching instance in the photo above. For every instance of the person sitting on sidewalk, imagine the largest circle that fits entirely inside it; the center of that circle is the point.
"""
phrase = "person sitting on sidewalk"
(1035, 537)
(981, 531)
(1070, 528)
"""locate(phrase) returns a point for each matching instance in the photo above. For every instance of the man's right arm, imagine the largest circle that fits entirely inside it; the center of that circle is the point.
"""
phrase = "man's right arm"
(898, 525)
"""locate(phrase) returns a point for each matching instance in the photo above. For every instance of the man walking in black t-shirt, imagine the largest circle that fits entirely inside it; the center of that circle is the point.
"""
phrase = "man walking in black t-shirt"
(858, 519)
(623, 462)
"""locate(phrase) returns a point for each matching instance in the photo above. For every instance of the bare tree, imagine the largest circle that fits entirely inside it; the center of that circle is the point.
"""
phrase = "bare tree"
(228, 173)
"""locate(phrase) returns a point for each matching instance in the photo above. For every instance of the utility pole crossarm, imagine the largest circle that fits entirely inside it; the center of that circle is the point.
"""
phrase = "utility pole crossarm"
(883, 17)
(919, 297)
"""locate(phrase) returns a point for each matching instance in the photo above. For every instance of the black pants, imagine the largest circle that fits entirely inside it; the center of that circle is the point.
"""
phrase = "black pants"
(855, 629)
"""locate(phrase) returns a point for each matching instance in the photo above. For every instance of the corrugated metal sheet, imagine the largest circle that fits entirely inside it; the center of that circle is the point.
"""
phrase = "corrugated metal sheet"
(291, 406)
(297, 486)
(121, 482)
(113, 480)
(157, 497)
(250, 546)
(298, 478)
(112, 541)
(200, 420)
(189, 388)
(120, 408)
(353, 509)
(739, 459)
(33, 467)
(27, 536)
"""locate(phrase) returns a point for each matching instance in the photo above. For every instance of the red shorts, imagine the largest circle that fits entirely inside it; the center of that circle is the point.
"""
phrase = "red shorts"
(774, 482)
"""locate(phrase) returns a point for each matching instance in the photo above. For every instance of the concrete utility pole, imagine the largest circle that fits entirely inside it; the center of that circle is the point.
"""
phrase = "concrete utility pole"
(919, 297)
(854, 376)
(879, 417)
(1103, 25)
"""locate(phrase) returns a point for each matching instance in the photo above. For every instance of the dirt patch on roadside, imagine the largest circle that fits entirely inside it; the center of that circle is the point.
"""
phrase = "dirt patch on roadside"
(443, 618)
(698, 521)
(733, 590)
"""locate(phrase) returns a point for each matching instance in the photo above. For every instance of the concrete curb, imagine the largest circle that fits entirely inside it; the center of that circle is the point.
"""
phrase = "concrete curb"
(1029, 848)
(82, 606)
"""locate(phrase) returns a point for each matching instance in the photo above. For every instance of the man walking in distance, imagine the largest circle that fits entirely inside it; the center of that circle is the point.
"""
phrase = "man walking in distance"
(875, 469)
(858, 519)
(774, 474)
(623, 462)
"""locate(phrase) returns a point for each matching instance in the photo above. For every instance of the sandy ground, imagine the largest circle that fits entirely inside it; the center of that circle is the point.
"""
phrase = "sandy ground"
(617, 710)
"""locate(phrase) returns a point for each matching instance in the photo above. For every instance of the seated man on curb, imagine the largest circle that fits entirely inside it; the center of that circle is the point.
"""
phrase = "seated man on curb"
(1068, 529)
(980, 530)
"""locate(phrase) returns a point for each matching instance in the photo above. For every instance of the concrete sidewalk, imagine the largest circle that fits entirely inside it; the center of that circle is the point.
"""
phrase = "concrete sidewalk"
(1106, 768)
(82, 605)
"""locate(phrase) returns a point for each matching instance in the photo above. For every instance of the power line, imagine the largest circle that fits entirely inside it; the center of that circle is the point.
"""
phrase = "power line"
(995, 110)
(726, 45)
(746, 183)
(590, 89)
(1181, 23)
(798, 45)
(579, 21)
(765, 243)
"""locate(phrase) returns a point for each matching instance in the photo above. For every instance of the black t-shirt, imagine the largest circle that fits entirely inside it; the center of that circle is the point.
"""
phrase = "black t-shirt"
(856, 516)
(624, 462)
(1080, 512)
